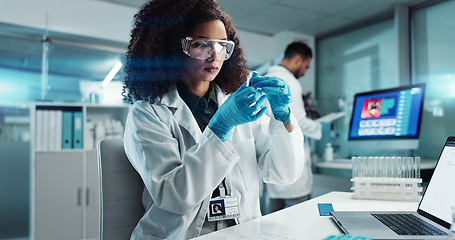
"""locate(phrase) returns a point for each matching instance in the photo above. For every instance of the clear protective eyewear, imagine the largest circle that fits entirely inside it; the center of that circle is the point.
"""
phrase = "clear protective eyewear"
(203, 48)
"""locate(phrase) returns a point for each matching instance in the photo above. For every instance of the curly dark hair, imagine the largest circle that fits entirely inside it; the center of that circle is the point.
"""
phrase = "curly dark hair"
(154, 59)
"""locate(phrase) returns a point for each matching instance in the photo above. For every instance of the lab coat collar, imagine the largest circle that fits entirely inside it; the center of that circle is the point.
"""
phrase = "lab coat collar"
(182, 113)
(172, 99)
(280, 69)
(220, 96)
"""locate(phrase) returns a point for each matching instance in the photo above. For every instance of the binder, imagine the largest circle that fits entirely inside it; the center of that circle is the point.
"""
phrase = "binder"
(39, 138)
(77, 130)
(67, 129)
(46, 129)
(58, 130)
(52, 129)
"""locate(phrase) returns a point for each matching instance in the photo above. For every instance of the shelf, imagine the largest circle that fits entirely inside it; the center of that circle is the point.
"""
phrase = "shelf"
(67, 179)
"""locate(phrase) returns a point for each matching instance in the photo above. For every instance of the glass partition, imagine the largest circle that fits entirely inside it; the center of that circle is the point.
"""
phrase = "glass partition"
(365, 59)
(433, 48)
(14, 169)
(360, 60)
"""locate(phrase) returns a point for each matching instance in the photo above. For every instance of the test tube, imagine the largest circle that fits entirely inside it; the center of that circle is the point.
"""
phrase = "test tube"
(405, 167)
(354, 166)
(359, 166)
(400, 167)
(370, 166)
(388, 165)
(394, 165)
(417, 168)
(364, 166)
(253, 74)
(411, 169)
(383, 167)
(404, 160)
(412, 165)
(376, 166)
(373, 167)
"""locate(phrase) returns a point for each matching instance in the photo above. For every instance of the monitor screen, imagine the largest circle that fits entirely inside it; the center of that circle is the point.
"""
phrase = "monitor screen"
(390, 114)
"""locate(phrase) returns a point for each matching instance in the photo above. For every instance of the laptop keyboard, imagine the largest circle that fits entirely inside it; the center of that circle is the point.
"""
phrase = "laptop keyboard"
(407, 224)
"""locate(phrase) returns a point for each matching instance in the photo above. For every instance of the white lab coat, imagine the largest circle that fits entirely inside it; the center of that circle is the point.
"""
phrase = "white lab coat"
(181, 166)
(310, 129)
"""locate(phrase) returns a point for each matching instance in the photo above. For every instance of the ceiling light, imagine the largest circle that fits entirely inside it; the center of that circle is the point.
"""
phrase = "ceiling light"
(111, 74)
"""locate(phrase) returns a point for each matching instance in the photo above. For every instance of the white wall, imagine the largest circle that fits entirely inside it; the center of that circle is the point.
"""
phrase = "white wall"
(258, 48)
(89, 18)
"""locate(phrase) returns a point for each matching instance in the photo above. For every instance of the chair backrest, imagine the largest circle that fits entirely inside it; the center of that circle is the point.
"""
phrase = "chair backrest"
(121, 190)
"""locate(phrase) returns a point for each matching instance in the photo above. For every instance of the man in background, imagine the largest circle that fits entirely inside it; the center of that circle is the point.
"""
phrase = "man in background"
(296, 61)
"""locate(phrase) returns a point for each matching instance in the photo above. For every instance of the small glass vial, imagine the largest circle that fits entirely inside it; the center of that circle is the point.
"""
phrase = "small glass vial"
(328, 152)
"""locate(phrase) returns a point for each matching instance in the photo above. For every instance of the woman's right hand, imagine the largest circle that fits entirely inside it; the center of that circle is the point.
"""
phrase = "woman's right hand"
(243, 106)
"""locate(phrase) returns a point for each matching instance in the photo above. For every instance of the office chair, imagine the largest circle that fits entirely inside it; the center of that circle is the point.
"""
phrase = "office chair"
(120, 191)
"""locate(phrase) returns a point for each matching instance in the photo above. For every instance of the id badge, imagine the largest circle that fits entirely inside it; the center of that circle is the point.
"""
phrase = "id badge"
(223, 208)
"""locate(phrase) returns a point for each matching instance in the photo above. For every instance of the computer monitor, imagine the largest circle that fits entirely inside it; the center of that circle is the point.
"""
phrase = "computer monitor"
(387, 119)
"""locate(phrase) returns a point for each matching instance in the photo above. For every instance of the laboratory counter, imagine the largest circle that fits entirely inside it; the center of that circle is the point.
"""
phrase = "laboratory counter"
(303, 221)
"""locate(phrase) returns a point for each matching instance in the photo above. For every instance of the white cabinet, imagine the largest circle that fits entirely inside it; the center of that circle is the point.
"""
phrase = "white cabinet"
(58, 195)
(92, 197)
(65, 183)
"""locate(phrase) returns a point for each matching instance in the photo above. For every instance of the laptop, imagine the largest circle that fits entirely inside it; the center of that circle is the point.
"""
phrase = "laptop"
(434, 208)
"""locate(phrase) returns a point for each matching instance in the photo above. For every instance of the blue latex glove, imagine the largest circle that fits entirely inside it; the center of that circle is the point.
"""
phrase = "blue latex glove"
(278, 94)
(243, 106)
(346, 237)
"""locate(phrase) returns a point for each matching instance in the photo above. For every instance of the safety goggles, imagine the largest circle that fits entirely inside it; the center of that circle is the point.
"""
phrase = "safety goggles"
(203, 48)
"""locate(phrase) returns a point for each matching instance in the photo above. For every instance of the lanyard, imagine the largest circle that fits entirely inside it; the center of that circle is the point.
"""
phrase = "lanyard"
(222, 190)
(223, 207)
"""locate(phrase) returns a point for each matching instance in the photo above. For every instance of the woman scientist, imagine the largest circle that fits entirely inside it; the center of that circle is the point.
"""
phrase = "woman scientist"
(195, 133)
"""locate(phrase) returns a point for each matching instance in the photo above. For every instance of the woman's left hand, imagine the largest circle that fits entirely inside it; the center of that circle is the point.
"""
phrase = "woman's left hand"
(278, 94)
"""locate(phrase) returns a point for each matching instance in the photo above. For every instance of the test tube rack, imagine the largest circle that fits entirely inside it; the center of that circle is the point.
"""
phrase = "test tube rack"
(386, 178)
(399, 189)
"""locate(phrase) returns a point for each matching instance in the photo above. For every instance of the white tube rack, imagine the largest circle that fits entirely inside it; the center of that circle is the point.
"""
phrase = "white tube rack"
(398, 189)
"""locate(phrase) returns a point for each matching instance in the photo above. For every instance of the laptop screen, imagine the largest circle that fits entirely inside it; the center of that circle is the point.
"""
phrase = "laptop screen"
(439, 196)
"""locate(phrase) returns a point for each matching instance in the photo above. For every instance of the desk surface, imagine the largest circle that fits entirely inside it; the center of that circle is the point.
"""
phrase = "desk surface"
(303, 220)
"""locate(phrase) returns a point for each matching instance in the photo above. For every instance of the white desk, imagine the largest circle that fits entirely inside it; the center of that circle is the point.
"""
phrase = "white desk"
(302, 221)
